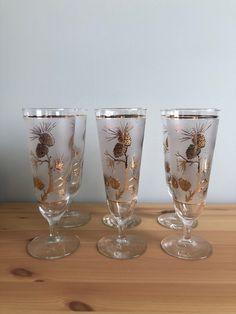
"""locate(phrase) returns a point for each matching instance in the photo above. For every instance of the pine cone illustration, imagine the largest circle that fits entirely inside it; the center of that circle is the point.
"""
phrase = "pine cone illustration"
(121, 134)
(41, 150)
(125, 138)
(46, 139)
(119, 150)
(192, 151)
(201, 140)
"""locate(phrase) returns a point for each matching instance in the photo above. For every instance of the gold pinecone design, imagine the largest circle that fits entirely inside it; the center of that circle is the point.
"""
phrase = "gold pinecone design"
(46, 139)
(192, 151)
(41, 150)
(125, 138)
(119, 150)
(201, 140)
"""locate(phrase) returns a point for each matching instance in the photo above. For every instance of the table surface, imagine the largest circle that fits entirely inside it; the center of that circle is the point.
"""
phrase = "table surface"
(88, 281)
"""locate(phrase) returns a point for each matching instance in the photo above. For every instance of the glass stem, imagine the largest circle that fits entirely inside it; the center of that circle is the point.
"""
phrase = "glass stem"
(53, 231)
(121, 234)
(187, 233)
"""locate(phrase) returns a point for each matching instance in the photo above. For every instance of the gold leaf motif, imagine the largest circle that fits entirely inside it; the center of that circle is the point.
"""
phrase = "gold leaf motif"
(110, 163)
(58, 164)
(38, 183)
(189, 196)
(185, 185)
(114, 183)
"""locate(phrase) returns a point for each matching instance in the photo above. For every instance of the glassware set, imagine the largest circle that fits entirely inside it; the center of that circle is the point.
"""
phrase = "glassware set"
(56, 140)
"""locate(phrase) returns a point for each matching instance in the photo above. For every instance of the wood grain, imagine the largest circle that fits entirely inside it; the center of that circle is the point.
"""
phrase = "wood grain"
(87, 281)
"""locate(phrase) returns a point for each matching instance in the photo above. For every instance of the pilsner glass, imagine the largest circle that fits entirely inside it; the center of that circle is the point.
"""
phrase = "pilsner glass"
(50, 135)
(121, 133)
(191, 141)
(77, 217)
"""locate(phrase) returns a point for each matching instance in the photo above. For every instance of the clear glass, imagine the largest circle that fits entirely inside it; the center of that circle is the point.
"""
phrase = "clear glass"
(191, 142)
(168, 219)
(121, 133)
(75, 217)
(50, 134)
(133, 221)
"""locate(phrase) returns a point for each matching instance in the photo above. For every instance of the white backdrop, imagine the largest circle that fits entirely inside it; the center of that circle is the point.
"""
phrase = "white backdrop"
(107, 53)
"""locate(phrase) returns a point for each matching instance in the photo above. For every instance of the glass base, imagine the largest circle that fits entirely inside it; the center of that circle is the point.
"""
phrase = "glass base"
(44, 247)
(75, 218)
(172, 221)
(194, 249)
(129, 247)
(132, 221)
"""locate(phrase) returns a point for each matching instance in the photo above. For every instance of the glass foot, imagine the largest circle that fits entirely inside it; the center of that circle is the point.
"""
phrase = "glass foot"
(172, 221)
(132, 221)
(44, 247)
(129, 247)
(75, 218)
(194, 249)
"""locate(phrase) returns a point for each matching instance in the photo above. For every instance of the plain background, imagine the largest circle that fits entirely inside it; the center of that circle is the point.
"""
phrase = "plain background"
(107, 53)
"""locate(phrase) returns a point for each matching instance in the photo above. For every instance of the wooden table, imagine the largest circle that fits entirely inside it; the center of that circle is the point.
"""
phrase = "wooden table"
(88, 281)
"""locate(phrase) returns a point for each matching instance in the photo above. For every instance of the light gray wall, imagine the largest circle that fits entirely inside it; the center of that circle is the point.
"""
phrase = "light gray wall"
(99, 53)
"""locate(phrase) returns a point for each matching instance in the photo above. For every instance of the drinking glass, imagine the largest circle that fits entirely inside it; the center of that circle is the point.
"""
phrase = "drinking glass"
(121, 133)
(191, 142)
(50, 134)
(77, 217)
